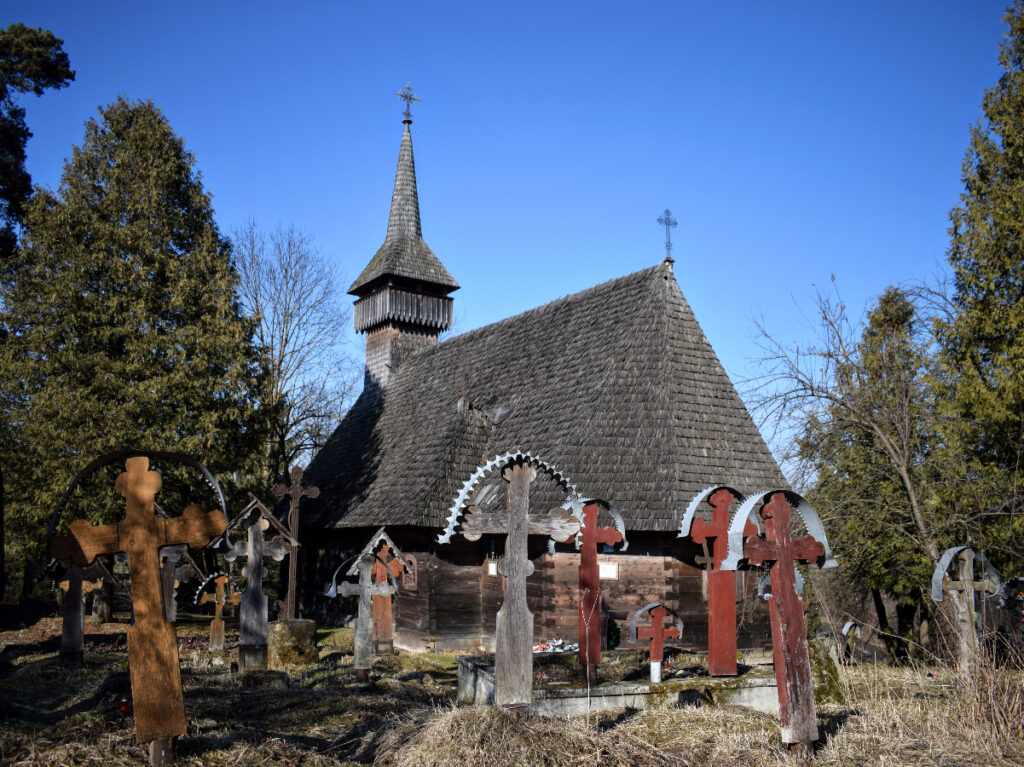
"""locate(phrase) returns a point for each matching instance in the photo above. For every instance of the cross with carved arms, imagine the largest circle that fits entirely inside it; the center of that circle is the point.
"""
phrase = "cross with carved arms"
(590, 586)
(669, 223)
(295, 493)
(409, 98)
(657, 633)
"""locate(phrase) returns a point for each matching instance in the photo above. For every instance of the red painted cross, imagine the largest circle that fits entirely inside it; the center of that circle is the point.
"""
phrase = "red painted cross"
(385, 562)
(590, 586)
(657, 633)
(294, 493)
(721, 584)
(797, 712)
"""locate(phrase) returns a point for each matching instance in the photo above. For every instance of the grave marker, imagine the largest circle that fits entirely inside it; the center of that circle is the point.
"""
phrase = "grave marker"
(963, 593)
(590, 588)
(76, 584)
(365, 590)
(657, 634)
(295, 493)
(152, 645)
(220, 597)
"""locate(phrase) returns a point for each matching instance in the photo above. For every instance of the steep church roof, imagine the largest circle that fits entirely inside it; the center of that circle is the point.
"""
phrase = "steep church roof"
(616, 386)
(404, 254)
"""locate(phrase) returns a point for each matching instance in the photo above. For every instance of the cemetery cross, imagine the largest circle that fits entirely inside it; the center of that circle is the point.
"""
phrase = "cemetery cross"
(295, 494)
(797, 713)
(220, 597)
(152, 644)
(657, 633)
(963, 594)
(383, 641)
(365, 590)
(75, 587)
(721, 583)
(513, 652)
(590, 588)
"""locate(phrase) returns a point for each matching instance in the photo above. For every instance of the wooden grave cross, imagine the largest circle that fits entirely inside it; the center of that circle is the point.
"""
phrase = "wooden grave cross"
(657, 633)
(963, 593)
(252, 610)
(152, 644)
(513, 651)
(219, 597)
(590, 588)
(365, 590)
(295, 493)
(76, 584)
(721, 583)
(386, 562)
(797, 713)
(171, 573)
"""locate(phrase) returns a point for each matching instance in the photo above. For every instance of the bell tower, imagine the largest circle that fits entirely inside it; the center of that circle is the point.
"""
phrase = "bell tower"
(402, 295)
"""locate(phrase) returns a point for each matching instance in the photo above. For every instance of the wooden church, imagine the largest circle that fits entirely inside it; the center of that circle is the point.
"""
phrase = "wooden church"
(616, 386)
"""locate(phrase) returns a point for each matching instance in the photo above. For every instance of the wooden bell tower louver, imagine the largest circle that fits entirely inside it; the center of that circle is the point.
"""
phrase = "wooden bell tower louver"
(403, 302)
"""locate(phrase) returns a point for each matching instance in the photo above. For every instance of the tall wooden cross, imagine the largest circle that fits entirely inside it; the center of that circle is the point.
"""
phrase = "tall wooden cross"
(797, 713)
(295, 494)
(219, 597)
(387, 562)
(513, 651)
(152, 644)
(252, 611)
(657, 633)
(75, 585)
(590, 588)
(721, 583)
(365, 590)
(669, 223)
(963, 593)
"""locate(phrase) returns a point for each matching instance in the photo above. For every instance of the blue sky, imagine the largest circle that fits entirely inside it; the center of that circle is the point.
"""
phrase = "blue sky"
(791, 140)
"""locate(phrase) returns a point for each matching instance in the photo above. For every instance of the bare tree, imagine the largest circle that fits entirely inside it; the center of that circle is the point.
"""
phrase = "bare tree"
(301, 326)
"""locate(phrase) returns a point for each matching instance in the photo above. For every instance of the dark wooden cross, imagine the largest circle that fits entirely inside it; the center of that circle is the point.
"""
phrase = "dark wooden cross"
(409, 98)
(797, 713)
(386, 562)
(513, 651)
(669, 223)
(75, 585)
(220, 597)
(590, 588)
(252, 611)
(721, 583)
(152, 644)
(295, 494)
(171, 573)
(365, 590)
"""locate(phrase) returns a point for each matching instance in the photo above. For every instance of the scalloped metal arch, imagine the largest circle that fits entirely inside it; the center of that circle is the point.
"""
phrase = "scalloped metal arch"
(501, 462)
(746, 511)
(703, 495)
(947, 558)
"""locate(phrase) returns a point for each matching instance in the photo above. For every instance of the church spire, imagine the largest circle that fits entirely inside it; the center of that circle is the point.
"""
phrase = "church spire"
(403, 292)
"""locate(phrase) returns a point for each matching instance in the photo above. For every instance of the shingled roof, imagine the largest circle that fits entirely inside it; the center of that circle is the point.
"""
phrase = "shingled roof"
(616, 386)
(404, 254)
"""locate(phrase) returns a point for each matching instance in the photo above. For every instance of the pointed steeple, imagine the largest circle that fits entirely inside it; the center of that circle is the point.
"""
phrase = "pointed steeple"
(403, 292)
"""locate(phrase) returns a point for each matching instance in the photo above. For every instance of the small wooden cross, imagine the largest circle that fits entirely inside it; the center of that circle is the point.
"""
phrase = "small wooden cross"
(365, 590)
(721, 583)
(590, 588)
(387, 562)
(657, 633)
(295, 494)
(252, 611)
(513, 651)
(75, 585)
(219, 598)
(797, 713)
(152, 644)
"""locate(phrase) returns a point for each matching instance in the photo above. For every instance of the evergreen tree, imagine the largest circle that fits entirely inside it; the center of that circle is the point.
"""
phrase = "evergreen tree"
(983, 344)
(30, 60)
(124, 324)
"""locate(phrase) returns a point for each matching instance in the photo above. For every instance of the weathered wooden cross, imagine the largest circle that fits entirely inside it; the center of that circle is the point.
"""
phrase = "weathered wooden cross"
(75, 585)
(219, 597)
(657, 633)
(387, 562)
(797, 713)
(513, 652)
(295, 493)
(590, 588)
(721, 583)
(152, 644)
(963, 593)
(252, 611)
(365, 590)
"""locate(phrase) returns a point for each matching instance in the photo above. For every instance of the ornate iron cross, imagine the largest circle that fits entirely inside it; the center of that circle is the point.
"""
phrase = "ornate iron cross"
(669, 223)
(409, 98)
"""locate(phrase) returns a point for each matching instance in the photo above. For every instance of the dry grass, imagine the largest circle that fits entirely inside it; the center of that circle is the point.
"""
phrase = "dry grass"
(406, 716)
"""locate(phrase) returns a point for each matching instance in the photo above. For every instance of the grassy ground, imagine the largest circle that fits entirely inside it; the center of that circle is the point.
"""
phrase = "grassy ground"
(406, 715)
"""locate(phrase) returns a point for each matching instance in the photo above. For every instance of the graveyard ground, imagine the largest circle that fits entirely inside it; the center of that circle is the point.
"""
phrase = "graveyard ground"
(407, 715)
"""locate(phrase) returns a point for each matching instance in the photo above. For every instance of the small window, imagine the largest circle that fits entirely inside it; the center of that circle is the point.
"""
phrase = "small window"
(492, 568)
(410, 576)
(608, 571)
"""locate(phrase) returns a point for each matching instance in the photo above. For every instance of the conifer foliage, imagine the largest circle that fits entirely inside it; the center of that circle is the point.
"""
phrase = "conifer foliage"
(124, 328)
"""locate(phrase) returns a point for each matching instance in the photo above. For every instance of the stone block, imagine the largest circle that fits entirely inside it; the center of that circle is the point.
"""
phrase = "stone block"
(292, 642)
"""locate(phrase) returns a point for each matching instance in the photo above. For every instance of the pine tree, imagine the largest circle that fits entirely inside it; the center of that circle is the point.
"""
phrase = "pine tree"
(124, 324)
(983, 344)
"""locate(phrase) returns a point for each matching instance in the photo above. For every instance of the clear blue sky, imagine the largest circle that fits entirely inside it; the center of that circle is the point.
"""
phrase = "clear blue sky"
(792, 140)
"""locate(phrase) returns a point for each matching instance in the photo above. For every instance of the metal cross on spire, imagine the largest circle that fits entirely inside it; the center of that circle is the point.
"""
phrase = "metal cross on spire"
(409, 98)
(669, 223)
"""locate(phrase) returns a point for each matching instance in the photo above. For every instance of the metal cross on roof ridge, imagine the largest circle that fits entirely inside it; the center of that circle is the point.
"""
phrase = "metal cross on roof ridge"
(409, 98)
(669, 223)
